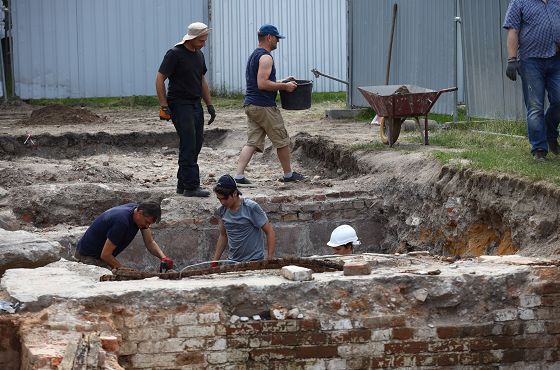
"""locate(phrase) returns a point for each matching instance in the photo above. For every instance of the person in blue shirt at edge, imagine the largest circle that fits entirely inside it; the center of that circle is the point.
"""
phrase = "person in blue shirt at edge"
(243, 225)
(263, 116)
(533, 49)
(113, 230)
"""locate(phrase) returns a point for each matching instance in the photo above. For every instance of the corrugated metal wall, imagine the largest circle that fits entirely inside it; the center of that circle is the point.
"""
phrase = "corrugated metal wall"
(489, 93)
(423, 46)
(84, 48)
(315, 33)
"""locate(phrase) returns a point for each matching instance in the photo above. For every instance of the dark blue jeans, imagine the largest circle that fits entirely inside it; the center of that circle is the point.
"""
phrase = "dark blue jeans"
(539, 75)
(189, 124)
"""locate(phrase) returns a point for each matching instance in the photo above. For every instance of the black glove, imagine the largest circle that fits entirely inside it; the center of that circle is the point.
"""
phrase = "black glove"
(512, 69)
(164, 113)
(212, 113)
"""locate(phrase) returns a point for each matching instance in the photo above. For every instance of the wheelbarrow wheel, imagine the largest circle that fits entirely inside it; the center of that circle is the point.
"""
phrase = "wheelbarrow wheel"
(390, 129)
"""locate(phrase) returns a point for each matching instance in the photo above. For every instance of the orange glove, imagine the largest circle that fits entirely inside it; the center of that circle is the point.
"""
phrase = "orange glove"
(164, 113)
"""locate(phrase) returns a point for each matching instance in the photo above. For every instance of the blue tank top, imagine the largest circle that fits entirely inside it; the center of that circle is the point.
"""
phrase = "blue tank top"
(253, 95)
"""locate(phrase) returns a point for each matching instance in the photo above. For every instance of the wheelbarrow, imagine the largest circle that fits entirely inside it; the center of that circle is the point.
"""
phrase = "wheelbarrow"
(394, 103)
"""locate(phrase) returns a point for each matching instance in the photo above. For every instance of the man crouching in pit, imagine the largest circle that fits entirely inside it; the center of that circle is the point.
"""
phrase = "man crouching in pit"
(113, 230)
(243, 225)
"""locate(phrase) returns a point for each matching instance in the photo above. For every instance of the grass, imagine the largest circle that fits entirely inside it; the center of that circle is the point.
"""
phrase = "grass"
(219, 100)
(488, 145)
(492, 146)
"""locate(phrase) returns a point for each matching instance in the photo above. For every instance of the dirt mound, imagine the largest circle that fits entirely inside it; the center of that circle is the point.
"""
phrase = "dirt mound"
(61, 115)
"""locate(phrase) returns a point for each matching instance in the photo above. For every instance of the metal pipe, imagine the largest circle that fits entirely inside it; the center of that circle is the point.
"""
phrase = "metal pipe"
(456, 63)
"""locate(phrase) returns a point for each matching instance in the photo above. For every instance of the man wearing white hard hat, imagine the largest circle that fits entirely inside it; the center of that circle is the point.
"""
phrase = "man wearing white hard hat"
(343, 239)
(185, 68)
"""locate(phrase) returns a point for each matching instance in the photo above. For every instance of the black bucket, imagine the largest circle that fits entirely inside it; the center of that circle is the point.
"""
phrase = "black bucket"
(300, 98)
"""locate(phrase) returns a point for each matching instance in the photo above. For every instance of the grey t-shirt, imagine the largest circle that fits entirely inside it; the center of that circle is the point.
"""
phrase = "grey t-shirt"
(244, 233)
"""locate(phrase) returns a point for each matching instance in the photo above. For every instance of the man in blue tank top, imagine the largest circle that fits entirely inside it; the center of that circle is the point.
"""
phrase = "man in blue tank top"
(263, 116)
(113, 230)
(243, 225)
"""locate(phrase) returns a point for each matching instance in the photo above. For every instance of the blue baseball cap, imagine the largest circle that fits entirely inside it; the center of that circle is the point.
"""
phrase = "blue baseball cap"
(268, 29)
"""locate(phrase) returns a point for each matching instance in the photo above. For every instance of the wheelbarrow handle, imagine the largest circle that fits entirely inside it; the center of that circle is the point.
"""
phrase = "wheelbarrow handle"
(449, 89)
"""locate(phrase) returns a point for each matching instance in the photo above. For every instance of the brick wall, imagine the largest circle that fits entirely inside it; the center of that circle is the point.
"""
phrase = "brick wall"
(303, 225)
(507, 319)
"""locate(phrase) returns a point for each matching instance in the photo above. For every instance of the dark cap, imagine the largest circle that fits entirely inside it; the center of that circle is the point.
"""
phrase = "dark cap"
(268, 29)
(227, 182)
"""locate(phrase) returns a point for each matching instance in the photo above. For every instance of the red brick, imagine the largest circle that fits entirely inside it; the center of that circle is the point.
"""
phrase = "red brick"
(308, 325)
(450, 345)
(280, 326)
(512, 328)
(317, 215)
(263, 354)
(402, 333)
(189, 358)
(481, 330)
(109, 343)
(315, 338)
(491, 343)
(444, 332)
(549, 287)
(550, 300)
(406, 347)
(320, 197)
(350, 336)
(448, 359)
(536, 341)
(316, 352)
(284, 339)
(238, 341)
(472, 358)
(244, 328)
(552, 327)
(384, 322)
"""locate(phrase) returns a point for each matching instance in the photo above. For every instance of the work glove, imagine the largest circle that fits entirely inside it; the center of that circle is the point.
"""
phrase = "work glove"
(512, 69)
(164, 113)
(212, 113)
(165, 264)
(213, 264)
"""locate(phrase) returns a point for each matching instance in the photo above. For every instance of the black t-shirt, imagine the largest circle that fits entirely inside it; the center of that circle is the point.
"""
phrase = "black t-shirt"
(184, 69)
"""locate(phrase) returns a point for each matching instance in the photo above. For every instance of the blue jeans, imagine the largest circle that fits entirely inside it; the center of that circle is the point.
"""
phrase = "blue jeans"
(539, 75)
(189, 124)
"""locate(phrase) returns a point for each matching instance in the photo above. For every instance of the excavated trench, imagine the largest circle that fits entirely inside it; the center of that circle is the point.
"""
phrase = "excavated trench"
(399, 202)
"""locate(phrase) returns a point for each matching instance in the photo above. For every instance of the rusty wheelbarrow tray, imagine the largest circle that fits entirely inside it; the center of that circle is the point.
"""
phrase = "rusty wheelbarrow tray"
(396, 102)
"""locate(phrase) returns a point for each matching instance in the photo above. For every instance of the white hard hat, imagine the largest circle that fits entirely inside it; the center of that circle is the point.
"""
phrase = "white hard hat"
(343, 234)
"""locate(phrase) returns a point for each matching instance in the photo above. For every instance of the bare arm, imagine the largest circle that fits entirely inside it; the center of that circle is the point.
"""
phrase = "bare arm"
(160, 89)
(263, 83)
(512, 43)
(206, 92)
(107, 255)
(151, 244)
(221, 243)
(270, 239)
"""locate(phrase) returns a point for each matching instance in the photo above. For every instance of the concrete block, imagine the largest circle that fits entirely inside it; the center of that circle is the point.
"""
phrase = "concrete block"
(297, 273)
(356, 268)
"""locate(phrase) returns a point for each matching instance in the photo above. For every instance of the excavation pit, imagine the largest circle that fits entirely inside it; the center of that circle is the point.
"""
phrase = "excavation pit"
(464, 309)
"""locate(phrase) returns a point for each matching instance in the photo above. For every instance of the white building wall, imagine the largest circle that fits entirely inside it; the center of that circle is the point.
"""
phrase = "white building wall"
(315, 33)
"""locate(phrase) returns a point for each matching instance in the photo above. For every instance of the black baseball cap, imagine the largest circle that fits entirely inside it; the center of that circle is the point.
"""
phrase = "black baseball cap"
(227, 182)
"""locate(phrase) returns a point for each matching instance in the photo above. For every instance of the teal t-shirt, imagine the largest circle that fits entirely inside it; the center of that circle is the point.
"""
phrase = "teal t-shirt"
(244, 233)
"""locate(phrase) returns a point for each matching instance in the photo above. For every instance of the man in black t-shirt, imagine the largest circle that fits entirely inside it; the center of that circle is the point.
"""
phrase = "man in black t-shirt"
(185, 68)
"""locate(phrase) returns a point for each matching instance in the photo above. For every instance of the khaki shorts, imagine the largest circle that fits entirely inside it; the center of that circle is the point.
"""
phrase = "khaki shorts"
(265, 121)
